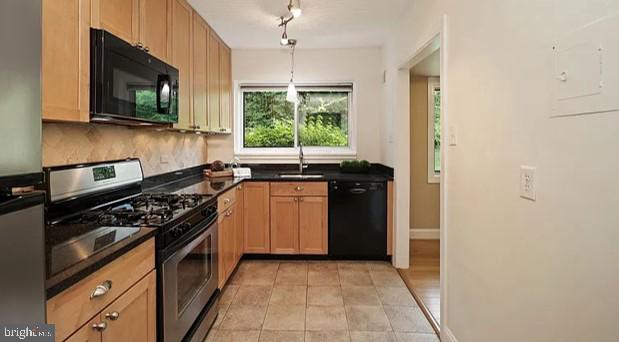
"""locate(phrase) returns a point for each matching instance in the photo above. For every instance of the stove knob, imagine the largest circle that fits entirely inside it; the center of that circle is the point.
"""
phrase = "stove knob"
(176, 232)
(184, 226)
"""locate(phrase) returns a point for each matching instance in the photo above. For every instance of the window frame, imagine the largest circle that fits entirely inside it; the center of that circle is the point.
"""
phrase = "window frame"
(433, 84)
(291, 154)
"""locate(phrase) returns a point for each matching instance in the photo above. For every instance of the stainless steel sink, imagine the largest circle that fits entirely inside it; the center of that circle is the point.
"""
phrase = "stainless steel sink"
(301, 175)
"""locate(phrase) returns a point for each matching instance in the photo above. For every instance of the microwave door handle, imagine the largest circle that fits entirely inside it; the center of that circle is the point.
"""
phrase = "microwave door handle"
(163, 81)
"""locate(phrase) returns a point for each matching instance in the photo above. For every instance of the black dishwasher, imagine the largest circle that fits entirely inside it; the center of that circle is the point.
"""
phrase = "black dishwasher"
(358, 220)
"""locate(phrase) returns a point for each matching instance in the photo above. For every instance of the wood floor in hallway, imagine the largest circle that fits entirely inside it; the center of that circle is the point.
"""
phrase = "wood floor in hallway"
(423, 277)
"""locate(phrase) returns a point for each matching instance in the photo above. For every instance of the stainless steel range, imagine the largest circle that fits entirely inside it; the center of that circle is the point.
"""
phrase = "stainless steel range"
(98, 205)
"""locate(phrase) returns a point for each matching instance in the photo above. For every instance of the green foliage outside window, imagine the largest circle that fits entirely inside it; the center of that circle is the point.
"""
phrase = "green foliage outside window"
(269, 119)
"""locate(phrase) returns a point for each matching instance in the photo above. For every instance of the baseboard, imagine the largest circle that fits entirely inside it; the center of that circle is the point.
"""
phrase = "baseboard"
(425, 233)
(447, 335)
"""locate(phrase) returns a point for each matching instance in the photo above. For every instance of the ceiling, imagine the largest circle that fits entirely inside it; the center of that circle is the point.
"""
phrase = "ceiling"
(324, 23)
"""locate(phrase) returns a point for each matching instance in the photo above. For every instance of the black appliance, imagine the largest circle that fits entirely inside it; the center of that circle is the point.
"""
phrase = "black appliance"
(358, 220)
(128, 85)
(97, 206)
(22, 284)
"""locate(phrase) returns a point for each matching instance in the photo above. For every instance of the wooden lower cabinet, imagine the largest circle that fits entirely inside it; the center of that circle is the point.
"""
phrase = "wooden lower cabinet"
(313, 232)
(239, 233)
(131, 317)
(231, 235)
(87, 333)
(299, 225)
(284, 225)
(256, 218)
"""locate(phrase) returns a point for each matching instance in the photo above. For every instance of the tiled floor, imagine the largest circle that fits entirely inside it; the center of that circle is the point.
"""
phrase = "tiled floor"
(318, 301)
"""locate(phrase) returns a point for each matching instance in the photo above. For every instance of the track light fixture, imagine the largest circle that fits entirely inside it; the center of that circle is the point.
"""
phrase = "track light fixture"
(295, 8)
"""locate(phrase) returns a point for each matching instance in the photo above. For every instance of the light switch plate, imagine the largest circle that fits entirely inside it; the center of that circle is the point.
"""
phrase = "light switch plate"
(527, 182)
(452, 135)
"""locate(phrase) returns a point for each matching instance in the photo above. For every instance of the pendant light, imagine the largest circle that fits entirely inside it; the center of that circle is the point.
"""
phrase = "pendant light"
(295, 8)
(292, 95)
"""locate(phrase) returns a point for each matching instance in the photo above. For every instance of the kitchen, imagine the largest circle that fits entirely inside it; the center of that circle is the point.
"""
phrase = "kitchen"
(290, 170)
(142, 237)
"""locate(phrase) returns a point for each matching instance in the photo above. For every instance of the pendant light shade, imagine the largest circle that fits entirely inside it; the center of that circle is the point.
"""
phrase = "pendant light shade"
(295, 8)
(292, 95)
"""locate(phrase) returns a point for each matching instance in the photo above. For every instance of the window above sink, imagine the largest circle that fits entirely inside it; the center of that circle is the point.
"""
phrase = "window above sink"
(270, 128)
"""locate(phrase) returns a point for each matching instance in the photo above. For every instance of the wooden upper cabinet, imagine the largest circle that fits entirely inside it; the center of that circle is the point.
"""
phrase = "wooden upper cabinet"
(213, 81)
(313, 233)
(225, 89)
(132, 317)
(66, 60)
(119, 17)
(284, 225)
(180, 20)
(153, 27)
(256, 218)
(199, 74)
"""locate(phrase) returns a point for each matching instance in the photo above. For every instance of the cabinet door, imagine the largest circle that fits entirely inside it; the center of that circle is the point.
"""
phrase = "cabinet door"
(87, 333)
(153, 33)
(225, 89)
(284, 225)
(66, 60)
(313, 234)
(180, 14)
(230, 240)
(238, 224)
(119, 17)
(199, 73)
(132, 317)
(213, 81)
(221, 250)
(256, 218)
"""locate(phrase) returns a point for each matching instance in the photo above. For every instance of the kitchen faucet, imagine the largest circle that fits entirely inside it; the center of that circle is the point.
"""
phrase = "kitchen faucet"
(301, 159)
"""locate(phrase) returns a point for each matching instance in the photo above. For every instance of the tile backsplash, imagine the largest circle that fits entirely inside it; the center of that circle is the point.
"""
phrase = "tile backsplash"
(160, 152)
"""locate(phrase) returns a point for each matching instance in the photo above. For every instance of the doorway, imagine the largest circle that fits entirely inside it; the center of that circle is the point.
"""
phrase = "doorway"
(423, 277)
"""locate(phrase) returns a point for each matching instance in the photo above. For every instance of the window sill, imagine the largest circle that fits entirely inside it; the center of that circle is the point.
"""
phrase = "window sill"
(287, 156)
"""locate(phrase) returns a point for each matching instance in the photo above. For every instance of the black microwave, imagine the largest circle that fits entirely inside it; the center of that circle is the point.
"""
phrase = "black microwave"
(128, 85)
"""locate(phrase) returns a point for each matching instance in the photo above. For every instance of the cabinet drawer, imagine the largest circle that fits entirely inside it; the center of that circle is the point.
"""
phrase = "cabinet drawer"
(299, 189)
(225, 200)
(75, 306)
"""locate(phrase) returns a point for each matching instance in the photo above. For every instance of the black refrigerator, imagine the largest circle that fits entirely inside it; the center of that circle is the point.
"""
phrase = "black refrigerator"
(22, 266)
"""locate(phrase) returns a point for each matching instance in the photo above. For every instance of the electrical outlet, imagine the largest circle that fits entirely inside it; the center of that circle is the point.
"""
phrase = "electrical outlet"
(164, 159)
(527, 182)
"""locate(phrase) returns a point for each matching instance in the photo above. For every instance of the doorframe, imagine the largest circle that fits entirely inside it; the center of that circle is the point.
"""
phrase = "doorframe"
(439, 40)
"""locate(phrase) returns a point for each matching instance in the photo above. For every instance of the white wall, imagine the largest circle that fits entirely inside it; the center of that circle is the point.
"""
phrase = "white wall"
(517, 270)
(363, 66)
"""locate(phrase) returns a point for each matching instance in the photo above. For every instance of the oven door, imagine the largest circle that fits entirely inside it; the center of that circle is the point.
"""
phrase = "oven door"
(189, 280)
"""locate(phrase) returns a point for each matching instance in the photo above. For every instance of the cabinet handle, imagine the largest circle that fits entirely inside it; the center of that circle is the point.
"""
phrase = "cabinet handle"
(139, 45)
(226, 201)
(99, 326)
(101, 289)
(295, 199)
(300, 199)
(112, 316)
(299, 188)
(146, 49)
(239, 188)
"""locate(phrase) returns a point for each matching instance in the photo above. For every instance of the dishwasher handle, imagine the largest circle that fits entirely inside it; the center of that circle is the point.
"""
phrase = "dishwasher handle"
(357, 191)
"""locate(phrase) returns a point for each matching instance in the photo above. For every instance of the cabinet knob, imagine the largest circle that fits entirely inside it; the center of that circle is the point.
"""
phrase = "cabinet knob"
(226, 201)
(99, 326)
(299, 188)
(112, 316)
(101, 289)
(146, 49)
